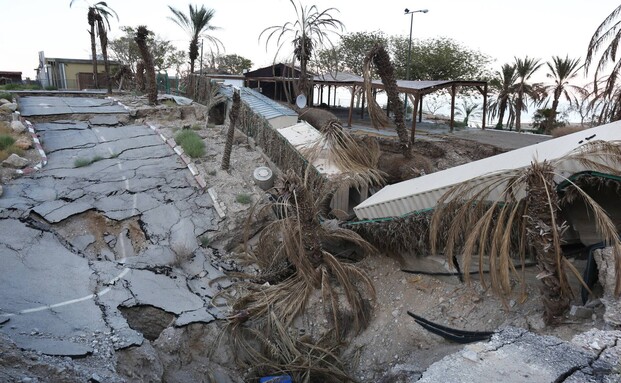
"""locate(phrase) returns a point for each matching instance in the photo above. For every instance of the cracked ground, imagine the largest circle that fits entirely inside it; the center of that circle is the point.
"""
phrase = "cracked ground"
(101, 227)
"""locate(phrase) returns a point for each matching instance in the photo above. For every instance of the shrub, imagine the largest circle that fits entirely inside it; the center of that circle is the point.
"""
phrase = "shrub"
(196, 127)
(205, 241)
(243, 198)
(191, 143)
(50, 87)
(6, 141)
(6, 96)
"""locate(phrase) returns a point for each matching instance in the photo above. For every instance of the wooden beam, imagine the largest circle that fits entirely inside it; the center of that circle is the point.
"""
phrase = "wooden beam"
(334, 103)
(351, 105)
(452, 106)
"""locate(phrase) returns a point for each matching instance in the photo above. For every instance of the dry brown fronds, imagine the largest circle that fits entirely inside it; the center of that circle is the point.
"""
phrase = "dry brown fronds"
(291, 258)
(489, 213)
(358, 164)
(272, 348)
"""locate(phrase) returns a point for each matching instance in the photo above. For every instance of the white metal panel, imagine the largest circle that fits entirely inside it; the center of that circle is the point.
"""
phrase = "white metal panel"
(424, 192)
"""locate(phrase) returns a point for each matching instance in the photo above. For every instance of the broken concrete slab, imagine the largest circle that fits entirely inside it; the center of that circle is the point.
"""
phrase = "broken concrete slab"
(513, 356)
(56, 211)
(166, 293)
(107, 120)
(197, 316)
(53, 347)
(81, 242)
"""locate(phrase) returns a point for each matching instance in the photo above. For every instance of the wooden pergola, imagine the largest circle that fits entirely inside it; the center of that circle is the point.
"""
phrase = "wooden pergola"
(415, 91)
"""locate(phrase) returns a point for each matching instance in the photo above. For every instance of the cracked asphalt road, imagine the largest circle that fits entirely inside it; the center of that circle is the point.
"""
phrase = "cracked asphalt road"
(60, 292)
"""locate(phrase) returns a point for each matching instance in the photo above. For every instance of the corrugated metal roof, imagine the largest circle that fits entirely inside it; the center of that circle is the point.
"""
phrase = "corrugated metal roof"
(259, 103)
(338, 77)
(424, 192)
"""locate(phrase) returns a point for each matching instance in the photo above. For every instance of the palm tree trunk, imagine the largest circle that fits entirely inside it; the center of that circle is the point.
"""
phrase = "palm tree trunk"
(518, 111)
(147, 58)
(140, 81)
(228, 147)
(501, 113)
(542, 213)
(103, 39)
(386, 71)
(91, 22)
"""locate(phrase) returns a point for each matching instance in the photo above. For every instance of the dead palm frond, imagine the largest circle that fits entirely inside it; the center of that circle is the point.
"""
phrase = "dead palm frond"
(293, 261)
(273, 348)
(357, 165)
(489, 212)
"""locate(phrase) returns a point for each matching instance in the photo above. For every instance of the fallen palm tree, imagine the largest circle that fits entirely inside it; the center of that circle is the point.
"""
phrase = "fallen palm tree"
(486, 211)
(294, 266)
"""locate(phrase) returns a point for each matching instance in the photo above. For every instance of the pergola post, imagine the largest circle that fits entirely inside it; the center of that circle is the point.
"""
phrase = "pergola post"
(351, 105)
(452, 106)
(334, 102)
(484, 106)
(362, 108)
(415, 103)
(420, 109)
(329, 88)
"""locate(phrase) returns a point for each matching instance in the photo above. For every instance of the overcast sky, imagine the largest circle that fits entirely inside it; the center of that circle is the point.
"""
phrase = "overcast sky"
(501, 29)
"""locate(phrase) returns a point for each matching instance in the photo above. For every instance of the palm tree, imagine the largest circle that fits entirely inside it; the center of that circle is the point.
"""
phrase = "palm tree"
(607, 33)
(502, 84)
(142, 34)
(468, 109)
(96, 14)
(102, 14)
(562, 71)
(499, 217)
(524, 69)
(310, 30)
(197, 23)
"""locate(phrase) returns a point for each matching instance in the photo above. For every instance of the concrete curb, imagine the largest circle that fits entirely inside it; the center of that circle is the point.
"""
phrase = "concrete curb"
(37, 145)
(200, 179)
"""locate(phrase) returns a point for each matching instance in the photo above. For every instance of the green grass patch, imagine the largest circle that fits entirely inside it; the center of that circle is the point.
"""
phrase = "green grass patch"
(243, 198)
(211, 126)
(82, 162)
(20, 87)
(205, 241)
(6, 141)
(6, 95)
(197, 127)
(191, 143)
(169, 103)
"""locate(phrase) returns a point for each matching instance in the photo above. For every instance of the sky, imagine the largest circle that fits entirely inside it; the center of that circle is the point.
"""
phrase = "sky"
(501, 29)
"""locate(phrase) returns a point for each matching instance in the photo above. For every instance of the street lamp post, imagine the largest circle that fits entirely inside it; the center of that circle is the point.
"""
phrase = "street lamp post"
(407, 69)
